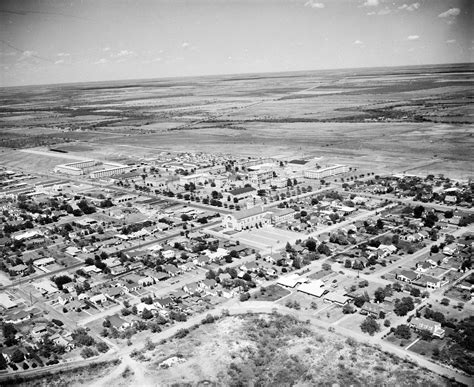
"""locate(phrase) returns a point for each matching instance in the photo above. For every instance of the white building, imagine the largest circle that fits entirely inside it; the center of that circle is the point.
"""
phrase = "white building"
(246, 218)
(325, 172)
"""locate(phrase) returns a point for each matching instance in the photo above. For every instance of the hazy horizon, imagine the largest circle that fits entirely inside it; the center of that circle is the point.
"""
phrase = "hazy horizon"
(237, 75)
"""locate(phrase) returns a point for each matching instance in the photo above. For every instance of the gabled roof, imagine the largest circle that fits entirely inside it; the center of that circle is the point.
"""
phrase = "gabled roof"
(248, 213)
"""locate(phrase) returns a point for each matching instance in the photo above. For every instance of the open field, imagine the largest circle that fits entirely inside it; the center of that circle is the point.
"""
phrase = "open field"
(237, 350)
(415, 119)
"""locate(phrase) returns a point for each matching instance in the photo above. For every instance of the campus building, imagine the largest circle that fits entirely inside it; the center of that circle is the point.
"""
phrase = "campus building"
(77, 168)
(246, 219)
(325, 172)
(118, 169)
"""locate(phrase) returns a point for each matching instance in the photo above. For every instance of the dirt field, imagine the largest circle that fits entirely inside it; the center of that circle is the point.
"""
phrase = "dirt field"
(252, 349)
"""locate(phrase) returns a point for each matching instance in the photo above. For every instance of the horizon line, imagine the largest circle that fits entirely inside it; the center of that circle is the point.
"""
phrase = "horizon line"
(236, 74)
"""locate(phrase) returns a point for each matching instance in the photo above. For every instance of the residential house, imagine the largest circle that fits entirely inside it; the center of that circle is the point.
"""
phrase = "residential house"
(419, 323)
(118, 323)
(407, 276)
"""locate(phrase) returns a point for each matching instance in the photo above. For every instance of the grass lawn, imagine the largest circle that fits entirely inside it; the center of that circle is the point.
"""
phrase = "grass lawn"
(271, 293)
(320, 274)
(425, 348)
(331, 314)
(400, 342)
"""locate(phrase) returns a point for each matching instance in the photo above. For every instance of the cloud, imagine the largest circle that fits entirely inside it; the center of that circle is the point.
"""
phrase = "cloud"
(358, 42)
(371, 13)
(371, 3)
(28, 53)
(63, 54)
(453, 12)
(451, 41)
(101, 61)
(185, 44)
(384, 11)
(59, 61)
(124, 53)
(106, 49)
(413, 37)
(314, 4)
(410, 8)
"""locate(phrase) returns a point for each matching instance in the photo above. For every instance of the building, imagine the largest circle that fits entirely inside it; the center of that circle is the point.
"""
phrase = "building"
(407, 276)
(419, 324)
(325, 172)
(116, 170)
(282, 215)
(77, 168)
(245, 219)
(313, 288)
(241, 193)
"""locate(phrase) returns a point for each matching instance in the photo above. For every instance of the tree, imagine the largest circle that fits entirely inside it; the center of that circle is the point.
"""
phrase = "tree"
(434, 249)
(348, 264)
(415, 292)
(445, 301)
(370, 326)
(146, 314)
(379, 295)
(403, 306)
(244, 296)
(347, 309)
(17, 356)
(397, 287)
(311, 245)
(363, 284)
(326, 266)
(418, 211)
(359, 301)
(425, 335)
(386, 323)
(102, 347)
(87, 352)
(402, 332)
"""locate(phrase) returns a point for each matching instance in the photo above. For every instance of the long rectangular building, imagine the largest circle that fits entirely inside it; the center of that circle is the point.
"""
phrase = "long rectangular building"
(325, 172)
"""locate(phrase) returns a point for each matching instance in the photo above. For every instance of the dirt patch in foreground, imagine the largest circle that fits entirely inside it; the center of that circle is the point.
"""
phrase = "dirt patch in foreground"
(271, 350)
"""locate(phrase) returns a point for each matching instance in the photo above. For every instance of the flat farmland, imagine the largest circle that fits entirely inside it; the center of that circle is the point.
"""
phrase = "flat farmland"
(405, 119)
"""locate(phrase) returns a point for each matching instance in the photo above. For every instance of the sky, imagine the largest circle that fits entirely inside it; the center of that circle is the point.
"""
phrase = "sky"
(53, 41)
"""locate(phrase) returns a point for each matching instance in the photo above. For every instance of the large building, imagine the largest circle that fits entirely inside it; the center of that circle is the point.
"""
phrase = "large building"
(325, 172)
(77, 168)
(116, 170)
(246, 219)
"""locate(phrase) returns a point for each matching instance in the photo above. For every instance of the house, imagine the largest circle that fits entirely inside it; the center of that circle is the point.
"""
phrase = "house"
(209, 284)
(39, 331)
(337, 298)
(64, 298)
(44, 262)
(407, 276)
(419, 323)
(202, 260)
(430, 282)
(114, 293)
(313, 288)
(62, 341)
(6, 301)
(250, 266)
(146, 281)
(17, 317)
(291, 280)
(98, 299)
(192, 288)
(164, 302)
(423, 267)
(18, 269)
(171, 270)
(245, 219)
(118, 323)
(374, 310)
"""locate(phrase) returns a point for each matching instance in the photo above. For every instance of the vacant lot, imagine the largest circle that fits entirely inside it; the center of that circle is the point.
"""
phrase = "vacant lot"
(270, 350)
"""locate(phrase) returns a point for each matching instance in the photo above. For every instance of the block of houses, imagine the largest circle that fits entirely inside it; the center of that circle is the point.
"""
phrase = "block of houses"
(419, 323)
